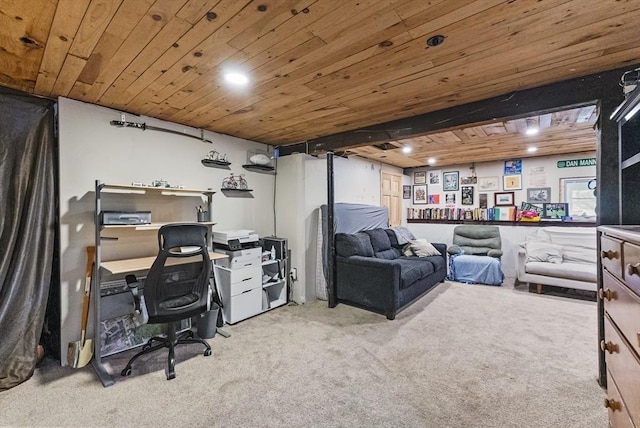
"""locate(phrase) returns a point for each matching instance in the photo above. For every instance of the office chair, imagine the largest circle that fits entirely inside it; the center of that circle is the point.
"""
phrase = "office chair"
(174, 289)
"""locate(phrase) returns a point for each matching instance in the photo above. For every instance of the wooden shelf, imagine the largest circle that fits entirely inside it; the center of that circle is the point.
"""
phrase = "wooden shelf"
(153, 226)
(258, 168)
(508, 223)
(144, 263)
(215, 163)
(155, 190)
(237, 190)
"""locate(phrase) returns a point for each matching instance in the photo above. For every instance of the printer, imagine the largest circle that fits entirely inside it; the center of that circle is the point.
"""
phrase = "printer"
(241, 246)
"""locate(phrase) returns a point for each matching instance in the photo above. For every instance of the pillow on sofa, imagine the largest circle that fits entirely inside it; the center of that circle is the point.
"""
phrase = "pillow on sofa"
(538, 251)
(420, 248)
(356, 244)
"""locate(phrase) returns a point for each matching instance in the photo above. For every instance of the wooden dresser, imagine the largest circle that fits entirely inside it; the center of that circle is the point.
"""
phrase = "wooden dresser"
(620, 293)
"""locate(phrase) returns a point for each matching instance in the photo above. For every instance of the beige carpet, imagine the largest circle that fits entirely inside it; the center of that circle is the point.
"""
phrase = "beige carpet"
(463, 356)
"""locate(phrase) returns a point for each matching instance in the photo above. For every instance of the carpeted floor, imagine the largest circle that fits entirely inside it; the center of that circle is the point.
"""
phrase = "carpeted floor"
(462, 356)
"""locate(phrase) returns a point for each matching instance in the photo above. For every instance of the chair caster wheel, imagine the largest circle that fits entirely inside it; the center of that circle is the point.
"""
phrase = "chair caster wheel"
(207, 352)
(125, 372)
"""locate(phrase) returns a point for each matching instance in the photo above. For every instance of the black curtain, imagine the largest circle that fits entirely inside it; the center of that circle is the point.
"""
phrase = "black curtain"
(27, 229)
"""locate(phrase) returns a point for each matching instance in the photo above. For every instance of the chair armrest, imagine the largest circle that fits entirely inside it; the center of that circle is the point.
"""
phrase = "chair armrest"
(140, 314)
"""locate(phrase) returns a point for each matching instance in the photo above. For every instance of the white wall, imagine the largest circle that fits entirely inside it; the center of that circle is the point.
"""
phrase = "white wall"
(356, 180)
(551, 176)
(91, 149)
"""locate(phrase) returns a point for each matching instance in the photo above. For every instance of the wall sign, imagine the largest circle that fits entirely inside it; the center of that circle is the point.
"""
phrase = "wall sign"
(569, 163)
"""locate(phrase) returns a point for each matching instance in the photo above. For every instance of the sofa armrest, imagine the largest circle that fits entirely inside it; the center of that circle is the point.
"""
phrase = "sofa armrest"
(522, 260)
(442, 248)
(369, 282)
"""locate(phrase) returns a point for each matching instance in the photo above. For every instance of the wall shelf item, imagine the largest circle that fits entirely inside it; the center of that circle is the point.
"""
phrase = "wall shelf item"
(236, 190)
(258, 168)
(215, 163)
(117, 305)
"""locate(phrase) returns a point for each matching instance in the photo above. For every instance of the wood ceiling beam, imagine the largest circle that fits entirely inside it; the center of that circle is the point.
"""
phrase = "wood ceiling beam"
(576, 92)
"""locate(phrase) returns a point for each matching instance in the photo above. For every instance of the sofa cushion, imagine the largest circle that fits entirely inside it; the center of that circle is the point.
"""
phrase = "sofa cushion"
(390, 254)
(575, 271)
(420, 248)
(356, 244)
(379, 240)
(413, 269)
(539, 251)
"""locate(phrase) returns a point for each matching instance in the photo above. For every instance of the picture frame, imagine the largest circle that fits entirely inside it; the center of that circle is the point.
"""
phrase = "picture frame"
(469, 180)
(488, 184)
(513, 167)
(406, 192)
(450, 181)
(434, 199)
(419, 177)
(467, 195)
(483, 200)
(512, 182)
(503, 199)
(420, 194)
(555, 210)
(538, 195)
(435, 177)
(450, 199)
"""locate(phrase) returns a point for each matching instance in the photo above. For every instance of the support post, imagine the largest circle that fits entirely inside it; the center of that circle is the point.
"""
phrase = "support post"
(331, 259)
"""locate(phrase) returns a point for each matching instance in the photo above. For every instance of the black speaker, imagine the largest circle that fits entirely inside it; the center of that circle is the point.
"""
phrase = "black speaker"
(280, 244)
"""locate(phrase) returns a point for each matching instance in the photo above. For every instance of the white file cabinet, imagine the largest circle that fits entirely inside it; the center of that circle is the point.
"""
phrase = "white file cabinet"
(247, 285)
(241, 292)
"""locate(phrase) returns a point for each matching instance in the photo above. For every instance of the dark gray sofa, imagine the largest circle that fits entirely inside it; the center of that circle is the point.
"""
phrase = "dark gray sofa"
(372, 273)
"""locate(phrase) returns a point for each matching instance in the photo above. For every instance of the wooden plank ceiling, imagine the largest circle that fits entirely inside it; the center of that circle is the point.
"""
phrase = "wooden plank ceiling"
(569, 131)
(316, 67)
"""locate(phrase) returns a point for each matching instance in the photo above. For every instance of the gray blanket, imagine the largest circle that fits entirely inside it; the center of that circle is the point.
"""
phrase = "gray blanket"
(403, 235)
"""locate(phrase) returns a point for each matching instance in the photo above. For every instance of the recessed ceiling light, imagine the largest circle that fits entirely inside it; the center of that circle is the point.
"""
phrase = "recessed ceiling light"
(236, 78)
(431, 161)
(532, 131)
(532, 149)
(406, 149)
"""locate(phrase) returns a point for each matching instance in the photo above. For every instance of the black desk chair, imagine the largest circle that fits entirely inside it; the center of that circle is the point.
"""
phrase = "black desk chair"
(173, 290)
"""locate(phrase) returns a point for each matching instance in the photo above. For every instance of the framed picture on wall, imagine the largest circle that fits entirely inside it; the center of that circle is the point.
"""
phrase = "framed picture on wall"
(556, 210)
(539, 195)
(503, 199)
(513, 167)
(467, 195)
(487, 184)
(406, 192)
(419, 177)
(483, 200)
(435, 177)
(450, 199)
(420, 194)
(434, 199)
(451, 181)
(512, 182)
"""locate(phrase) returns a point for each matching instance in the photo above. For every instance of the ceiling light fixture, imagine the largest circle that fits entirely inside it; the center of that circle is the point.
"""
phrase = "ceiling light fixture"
(435, 40)
(236, 78)
(532, 128)
(406, 149)
(532, 149)
(431, 161)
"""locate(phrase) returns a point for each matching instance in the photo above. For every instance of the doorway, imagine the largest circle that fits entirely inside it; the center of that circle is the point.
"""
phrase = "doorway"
(391, 196)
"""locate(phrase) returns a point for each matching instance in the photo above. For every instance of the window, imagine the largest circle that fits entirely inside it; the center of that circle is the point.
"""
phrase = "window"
(579, 193)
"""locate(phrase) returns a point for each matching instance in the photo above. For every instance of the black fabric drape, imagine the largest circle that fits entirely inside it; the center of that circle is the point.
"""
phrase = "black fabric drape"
(27, 221)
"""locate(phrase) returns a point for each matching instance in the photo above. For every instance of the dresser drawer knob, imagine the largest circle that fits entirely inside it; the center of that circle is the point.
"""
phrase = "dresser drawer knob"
(606, 294)
(633, 269)
(611, 404)
(609, 254)
(610, 347)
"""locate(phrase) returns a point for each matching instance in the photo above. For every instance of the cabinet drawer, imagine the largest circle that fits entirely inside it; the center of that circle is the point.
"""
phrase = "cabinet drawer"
(624, 368)
(623, 306)
(235, 276)
(631, 259)
(611, 255)
(618, 414)
(243, 306)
